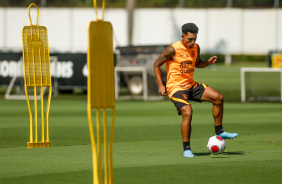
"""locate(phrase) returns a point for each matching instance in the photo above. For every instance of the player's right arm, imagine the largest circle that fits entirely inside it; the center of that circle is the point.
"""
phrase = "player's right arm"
(168, 53)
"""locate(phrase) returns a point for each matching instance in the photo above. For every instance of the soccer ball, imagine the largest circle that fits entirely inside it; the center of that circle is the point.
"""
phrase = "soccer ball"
(216, 145)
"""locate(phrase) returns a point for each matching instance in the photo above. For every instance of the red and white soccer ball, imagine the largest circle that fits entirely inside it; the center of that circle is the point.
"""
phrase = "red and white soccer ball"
(216, 145)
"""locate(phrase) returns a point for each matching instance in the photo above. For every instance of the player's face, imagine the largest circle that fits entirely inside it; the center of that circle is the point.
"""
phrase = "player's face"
(189, 39)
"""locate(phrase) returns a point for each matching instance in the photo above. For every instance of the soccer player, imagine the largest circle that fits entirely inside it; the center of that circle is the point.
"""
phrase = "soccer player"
(181, 58)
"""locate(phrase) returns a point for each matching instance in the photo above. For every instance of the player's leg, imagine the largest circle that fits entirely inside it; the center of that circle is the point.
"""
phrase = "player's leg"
(184, 109)
(186, 129)
(186, 113)
(216, 98)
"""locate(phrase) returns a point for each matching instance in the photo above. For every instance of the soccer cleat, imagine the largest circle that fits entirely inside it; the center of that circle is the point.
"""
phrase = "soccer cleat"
(226, 135)
(188, 153)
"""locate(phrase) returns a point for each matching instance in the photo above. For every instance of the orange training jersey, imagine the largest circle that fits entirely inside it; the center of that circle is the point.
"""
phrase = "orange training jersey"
(180, 70)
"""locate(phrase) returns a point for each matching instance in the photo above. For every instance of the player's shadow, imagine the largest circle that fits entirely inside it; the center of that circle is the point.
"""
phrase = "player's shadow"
(234, 153)
(201, 154)
(224, 153)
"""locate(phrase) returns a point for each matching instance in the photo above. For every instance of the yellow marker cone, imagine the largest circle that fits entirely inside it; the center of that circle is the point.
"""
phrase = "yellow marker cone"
(37, 73)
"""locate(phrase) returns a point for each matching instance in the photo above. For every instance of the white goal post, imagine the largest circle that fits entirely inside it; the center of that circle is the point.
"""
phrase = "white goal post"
(249, 69)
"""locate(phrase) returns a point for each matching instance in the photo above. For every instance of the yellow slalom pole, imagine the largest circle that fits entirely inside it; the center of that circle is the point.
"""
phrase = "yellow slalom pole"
(35, 95)
(106, 155)
(47, 114)
(99, 145)
(30, 115)
(41, 92)
(35, 114)
(28, 103)
(111, 173)
(42, 115)
(93, 145)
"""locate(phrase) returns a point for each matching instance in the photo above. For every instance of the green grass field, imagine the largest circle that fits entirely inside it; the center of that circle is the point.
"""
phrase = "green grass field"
(147, 146)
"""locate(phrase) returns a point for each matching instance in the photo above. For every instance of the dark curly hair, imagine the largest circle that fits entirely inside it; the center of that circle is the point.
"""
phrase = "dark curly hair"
(189, 27)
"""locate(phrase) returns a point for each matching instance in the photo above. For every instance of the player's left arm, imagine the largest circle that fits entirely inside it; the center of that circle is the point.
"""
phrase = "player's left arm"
(200, 63)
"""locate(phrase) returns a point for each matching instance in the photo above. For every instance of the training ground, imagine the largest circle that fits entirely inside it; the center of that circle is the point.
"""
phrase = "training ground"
(147, 145)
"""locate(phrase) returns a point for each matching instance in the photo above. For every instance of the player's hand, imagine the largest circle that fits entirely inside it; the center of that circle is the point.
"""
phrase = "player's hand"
(162, 90)
(212, 60)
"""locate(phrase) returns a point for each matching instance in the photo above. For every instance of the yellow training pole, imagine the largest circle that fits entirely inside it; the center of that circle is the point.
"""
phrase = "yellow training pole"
(37, 73)
(101, 95)
(47, 115)
(111, 172)
(99, 145)
(30, 116)
(106, 157)
(35, 114)
(93, 144)
(41, 92)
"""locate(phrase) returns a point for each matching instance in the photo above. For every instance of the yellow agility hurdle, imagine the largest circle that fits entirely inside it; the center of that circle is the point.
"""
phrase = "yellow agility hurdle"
(37, 73)
(101, 94)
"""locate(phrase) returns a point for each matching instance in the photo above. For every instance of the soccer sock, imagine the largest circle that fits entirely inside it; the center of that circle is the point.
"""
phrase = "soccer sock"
(186, 146)
(218, 129)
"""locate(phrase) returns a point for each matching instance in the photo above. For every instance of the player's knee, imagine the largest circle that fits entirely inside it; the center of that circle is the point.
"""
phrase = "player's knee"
(219, 100)
(186, 112)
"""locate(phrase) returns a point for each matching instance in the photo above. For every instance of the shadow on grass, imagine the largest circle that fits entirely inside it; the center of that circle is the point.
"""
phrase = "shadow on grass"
(201, 154)
(224, 153)
(234, 153)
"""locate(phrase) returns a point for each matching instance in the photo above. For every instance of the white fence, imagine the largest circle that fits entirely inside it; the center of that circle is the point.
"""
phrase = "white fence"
(225, 30)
